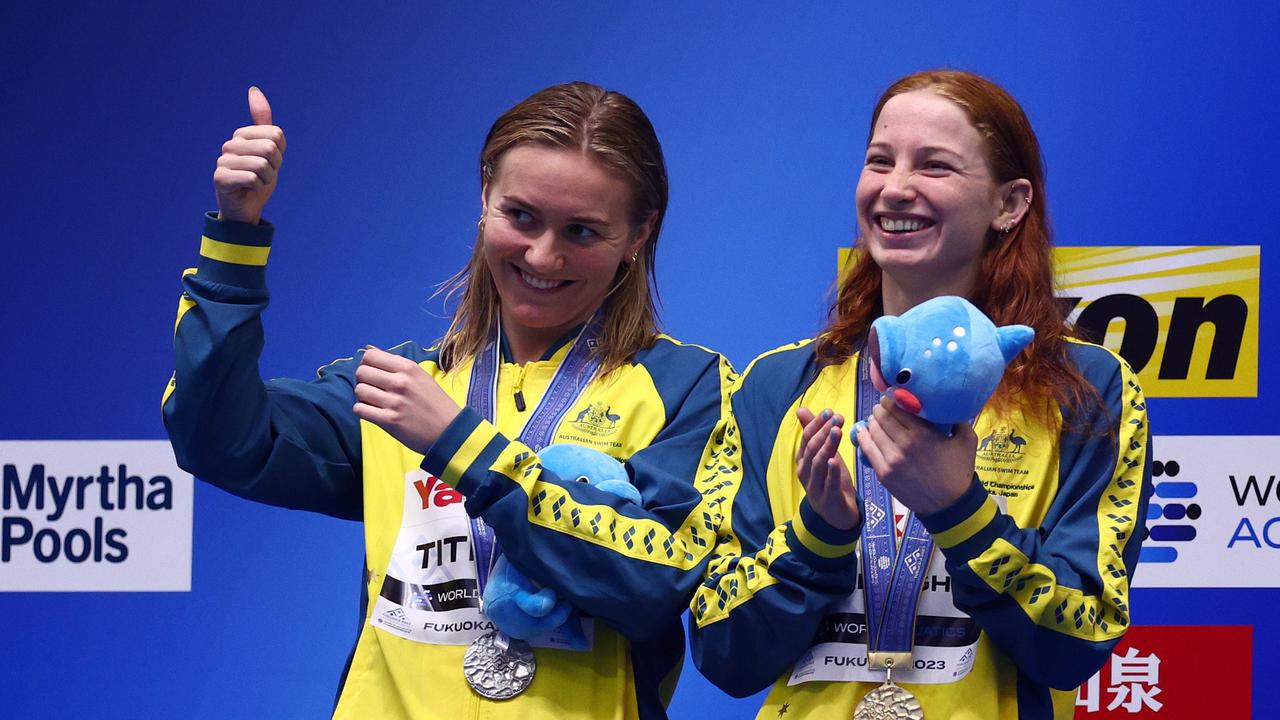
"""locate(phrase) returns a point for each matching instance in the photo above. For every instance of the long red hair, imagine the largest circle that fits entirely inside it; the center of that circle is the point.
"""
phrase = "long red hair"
(1016, 276)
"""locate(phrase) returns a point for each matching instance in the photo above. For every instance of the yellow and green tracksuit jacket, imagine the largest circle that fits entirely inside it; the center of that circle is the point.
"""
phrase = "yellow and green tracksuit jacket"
(1027, 590)
(630, 568)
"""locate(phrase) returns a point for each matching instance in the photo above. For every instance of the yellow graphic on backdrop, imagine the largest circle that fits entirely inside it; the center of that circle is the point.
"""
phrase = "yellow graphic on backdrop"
(1185, 317)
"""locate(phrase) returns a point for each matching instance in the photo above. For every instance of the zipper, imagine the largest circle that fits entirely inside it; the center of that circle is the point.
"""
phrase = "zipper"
(519, 390)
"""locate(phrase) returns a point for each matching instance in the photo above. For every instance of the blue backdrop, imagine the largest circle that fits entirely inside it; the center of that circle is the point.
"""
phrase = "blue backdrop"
(1158, 127)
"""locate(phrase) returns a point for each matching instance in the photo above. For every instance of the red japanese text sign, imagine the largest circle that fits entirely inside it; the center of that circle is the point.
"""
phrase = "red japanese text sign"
(1174, 672)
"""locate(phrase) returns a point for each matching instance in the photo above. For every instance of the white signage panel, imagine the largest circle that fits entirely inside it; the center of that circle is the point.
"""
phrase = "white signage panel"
(94, 515)
(1214, 518)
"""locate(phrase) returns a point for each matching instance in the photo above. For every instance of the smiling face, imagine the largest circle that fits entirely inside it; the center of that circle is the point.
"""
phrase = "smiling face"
(557, 227)
(926, 199)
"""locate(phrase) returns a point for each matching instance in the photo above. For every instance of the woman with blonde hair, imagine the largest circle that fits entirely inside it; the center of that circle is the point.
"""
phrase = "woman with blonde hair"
(554, 340)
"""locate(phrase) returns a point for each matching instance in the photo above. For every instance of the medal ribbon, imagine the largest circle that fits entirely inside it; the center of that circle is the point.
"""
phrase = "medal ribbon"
(893, 575)
(567, 386)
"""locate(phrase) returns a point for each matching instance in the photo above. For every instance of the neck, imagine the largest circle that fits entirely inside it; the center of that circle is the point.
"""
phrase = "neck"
(899, 297)
(528, 346)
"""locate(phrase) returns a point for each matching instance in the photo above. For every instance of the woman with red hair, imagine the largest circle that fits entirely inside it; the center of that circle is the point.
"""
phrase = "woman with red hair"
(1036, 510)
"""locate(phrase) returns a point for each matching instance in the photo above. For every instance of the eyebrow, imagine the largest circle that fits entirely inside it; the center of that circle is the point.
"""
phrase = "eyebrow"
(577, 219)
(927, 149)
(939, 149)
(588, 220)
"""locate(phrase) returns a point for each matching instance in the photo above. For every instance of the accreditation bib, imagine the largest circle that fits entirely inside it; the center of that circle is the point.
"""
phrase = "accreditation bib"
(431, 591)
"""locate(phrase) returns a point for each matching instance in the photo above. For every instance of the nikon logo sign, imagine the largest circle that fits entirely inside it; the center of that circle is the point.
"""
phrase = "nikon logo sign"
(1185, 318)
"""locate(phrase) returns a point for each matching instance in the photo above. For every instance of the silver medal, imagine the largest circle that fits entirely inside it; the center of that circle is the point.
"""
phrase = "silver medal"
(499, 667)
(889, 702)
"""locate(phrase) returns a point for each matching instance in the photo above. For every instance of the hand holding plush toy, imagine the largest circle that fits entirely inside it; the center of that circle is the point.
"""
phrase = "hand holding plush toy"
(941, 360)
(514, 602)
(937, 364)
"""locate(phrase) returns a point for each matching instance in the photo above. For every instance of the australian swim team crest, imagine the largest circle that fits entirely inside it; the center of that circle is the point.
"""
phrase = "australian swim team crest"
(596, 419)
(1003, 444)
(1011, 459)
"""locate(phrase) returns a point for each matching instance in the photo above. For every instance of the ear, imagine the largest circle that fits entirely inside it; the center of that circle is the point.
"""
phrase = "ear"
(484, 200)
(643, 232)
(1015, 200)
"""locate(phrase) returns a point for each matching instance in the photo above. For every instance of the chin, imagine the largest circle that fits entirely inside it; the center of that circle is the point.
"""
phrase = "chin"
(903, 258)
(540, 319)
(536, 321)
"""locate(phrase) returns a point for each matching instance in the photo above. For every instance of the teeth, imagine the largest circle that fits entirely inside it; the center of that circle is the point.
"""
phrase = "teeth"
(540, 283)
(889, 225)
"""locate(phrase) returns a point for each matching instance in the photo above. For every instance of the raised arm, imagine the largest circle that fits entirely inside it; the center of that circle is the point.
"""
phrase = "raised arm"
(283, 442)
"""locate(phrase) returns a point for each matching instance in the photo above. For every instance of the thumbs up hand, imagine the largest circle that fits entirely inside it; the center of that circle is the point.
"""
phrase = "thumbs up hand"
(246, 173)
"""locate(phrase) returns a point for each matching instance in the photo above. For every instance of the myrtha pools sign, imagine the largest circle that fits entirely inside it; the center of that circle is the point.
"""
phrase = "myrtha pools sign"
(93, 515)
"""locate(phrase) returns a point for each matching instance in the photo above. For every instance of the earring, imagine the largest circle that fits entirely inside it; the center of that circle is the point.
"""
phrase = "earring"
(1006, 228)
(635, 256)
(480, 224)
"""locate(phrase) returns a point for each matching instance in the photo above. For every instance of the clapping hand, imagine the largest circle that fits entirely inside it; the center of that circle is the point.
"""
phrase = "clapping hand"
(823, 473)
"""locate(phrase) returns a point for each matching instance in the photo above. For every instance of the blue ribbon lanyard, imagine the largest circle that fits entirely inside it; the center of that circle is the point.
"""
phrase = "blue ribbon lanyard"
(569, 383)
(893, 575)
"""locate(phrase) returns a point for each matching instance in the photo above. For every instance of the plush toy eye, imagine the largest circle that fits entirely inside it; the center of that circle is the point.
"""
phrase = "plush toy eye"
(903, 377)
(582, 479)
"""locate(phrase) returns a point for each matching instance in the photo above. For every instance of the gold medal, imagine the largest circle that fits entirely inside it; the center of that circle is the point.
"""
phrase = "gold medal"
(890, 701)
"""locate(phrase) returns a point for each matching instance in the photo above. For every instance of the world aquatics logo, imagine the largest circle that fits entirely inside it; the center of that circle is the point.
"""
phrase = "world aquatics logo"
(1171, 514)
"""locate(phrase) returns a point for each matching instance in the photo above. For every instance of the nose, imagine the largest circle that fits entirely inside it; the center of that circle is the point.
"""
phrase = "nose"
(542, 254)
(898, 186)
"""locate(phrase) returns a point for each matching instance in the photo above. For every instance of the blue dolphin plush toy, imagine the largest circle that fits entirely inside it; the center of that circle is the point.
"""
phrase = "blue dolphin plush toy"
(513, 601)
(941, 360)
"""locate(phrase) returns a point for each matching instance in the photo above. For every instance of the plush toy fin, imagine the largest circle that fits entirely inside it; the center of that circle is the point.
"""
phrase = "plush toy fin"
(1012, 339)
